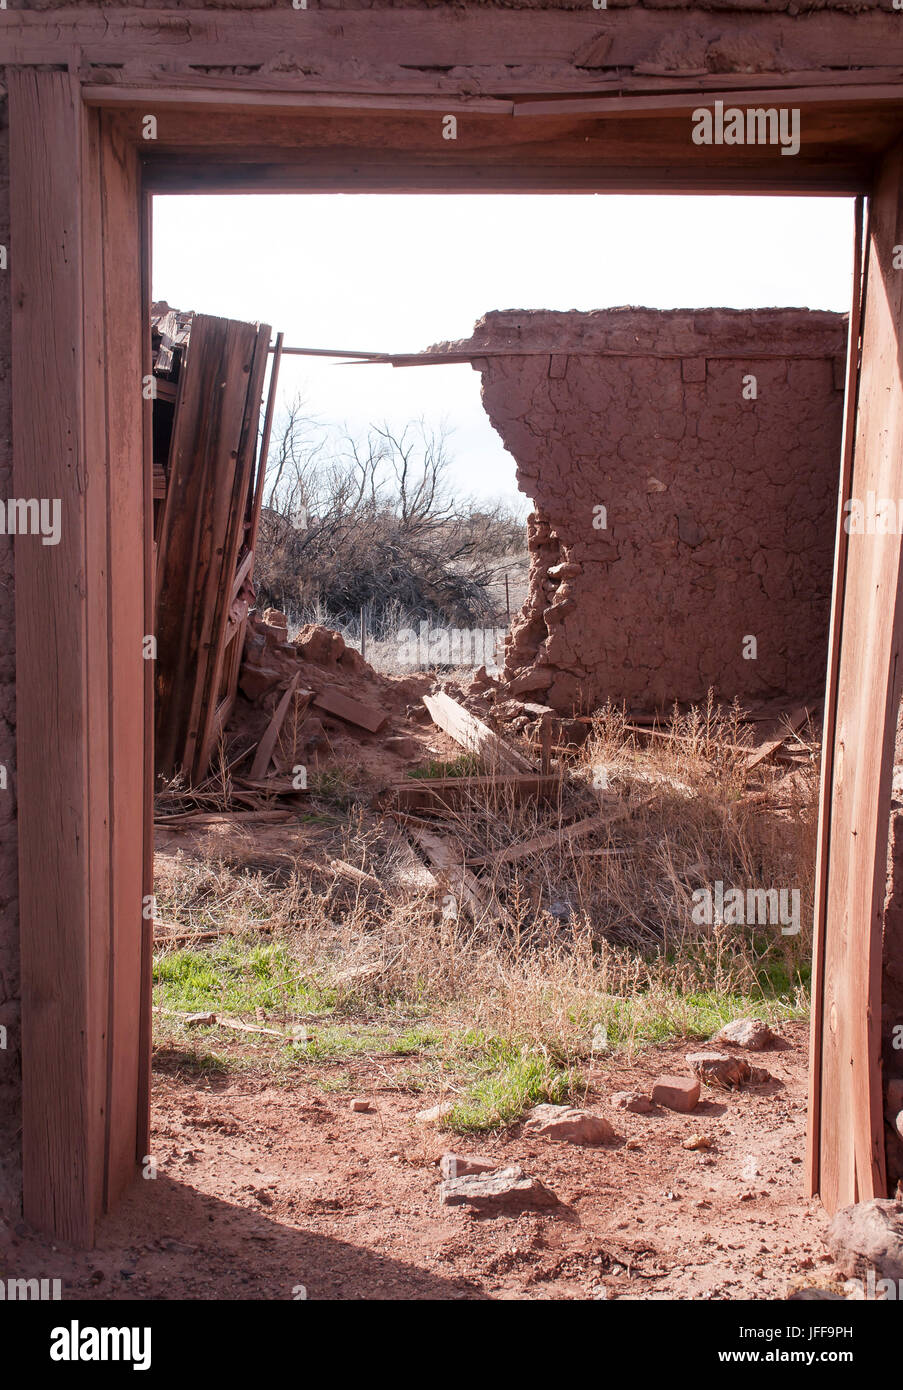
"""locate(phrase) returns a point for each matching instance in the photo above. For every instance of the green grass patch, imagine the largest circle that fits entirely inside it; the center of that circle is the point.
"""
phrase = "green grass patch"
(467, 765)
(235, 977)
(512, 1078)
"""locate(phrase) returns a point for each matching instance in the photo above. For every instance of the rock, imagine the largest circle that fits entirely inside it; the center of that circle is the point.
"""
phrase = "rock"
(319, 644)
(869, 1233)
(463, 1165)
(676, 1093)
(403, 746)
(537, 678)
(568, 1125)
(255, 681)
(480, 680)
(360, 1106)
(635, 1101)
(505, 710)
(697, 1141)
(751, 1033)
(435, 1113)
(719, 1068)
(508, 1189)
(351, 660)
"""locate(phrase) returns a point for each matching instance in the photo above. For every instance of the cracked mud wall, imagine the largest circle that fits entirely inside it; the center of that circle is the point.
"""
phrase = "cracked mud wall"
(675, 517)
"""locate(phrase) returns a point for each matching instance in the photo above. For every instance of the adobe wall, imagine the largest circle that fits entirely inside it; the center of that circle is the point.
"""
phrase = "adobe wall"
(9, 925)
(673, 519)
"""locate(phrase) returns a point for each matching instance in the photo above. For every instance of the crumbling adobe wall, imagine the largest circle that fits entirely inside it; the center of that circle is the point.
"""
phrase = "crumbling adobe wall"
(10, 1084)
(674, 519)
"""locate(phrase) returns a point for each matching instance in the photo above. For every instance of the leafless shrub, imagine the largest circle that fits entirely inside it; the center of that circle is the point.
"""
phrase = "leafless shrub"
(373, 523)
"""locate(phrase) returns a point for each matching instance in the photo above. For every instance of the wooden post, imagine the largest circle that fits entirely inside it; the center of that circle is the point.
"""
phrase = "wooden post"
(80, 673)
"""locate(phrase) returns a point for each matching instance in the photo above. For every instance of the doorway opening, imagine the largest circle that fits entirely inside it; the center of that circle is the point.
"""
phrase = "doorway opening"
(426, 883)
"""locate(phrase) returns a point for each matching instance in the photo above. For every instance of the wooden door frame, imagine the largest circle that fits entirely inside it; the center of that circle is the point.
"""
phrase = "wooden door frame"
(81, 172)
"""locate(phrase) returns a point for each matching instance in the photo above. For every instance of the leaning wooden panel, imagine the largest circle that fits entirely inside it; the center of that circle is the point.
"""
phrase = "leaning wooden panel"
(203, 459)
(829, 722)
(851, 1143)
(60, 807)
(236, 536)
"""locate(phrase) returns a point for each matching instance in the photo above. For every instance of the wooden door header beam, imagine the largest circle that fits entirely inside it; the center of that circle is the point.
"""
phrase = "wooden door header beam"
(483, 39)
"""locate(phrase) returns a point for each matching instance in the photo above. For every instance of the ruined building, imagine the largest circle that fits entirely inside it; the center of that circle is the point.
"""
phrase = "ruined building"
(683, 467)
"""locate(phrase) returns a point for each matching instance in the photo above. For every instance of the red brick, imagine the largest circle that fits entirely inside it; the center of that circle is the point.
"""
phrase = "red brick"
(676, 1092)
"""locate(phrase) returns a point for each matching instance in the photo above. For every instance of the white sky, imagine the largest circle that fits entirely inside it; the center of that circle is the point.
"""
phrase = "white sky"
(396, 273)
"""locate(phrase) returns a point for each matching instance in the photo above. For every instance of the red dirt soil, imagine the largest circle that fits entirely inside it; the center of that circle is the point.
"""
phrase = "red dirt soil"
(271, 1191)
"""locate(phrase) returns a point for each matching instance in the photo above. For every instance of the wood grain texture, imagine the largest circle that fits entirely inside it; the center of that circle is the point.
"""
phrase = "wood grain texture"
(813, 1128)
(473, 735)
(62, 968)
(204, 467)
(851, 1142)
(125, 668)
(216, 703)
(490, 41)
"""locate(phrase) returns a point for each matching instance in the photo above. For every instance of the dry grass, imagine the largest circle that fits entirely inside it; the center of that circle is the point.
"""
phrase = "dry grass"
(582, 948)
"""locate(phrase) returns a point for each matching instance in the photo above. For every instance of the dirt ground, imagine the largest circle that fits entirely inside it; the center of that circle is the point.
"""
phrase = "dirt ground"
(268, 1191)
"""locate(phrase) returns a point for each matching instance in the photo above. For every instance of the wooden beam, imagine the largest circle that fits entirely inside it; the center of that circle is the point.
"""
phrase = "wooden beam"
(367, 717)
(126, 673)
(268, 742)
(449, 793)
(496, 44)
(850, 1136)
(257, 503)
(473, 735)
(63, 968)
(81, 679)
(559, 836)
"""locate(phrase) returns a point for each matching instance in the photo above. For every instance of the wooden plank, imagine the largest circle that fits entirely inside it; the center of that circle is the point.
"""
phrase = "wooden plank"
(242, 492)
(188, 820)
(241, 574)
(473, 735)
(269, 415)
(145, 1020)
(448, 793)
(561, 834)
(62, 940)
(491, 43)
(204, 460)
(793, 721)
(354, 711)
(447, 858)
(826, 772)
(268, 742)
(851, 1164)
(342, 869)
(129, 527)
